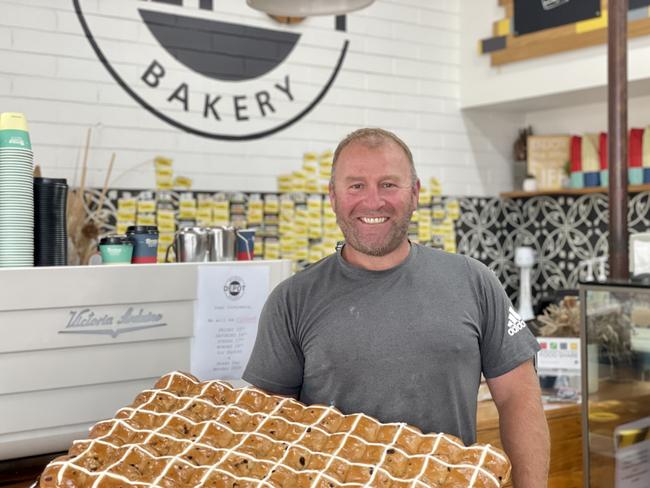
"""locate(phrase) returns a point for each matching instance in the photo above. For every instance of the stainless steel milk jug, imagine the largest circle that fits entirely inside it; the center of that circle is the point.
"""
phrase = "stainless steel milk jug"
(191, 245)
(221, 241)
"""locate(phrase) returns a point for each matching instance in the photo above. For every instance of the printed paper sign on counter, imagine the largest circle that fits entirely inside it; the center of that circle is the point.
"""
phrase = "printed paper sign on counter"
(558, 353)
(229, 302)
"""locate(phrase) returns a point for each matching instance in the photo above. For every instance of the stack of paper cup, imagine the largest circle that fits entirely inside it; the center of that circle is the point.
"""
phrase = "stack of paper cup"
(16, 192)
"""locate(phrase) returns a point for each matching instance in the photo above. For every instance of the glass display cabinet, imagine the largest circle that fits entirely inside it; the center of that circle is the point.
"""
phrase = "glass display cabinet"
(615, 327)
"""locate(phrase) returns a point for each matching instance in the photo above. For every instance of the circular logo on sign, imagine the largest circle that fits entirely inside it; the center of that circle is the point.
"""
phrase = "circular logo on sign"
(231, 74)
(234, 288)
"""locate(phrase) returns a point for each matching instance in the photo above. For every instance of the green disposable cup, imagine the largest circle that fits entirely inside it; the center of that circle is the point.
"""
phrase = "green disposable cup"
(115, 249)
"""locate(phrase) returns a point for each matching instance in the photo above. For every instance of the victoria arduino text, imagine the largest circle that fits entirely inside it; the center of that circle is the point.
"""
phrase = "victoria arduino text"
(87, 318)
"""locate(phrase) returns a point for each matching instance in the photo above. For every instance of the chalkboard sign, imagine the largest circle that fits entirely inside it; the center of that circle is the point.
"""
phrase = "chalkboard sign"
(536, 15)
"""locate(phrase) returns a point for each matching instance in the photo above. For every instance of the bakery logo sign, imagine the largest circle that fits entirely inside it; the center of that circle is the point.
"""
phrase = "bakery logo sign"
(234, 288)
(89, 321)
(227, 73)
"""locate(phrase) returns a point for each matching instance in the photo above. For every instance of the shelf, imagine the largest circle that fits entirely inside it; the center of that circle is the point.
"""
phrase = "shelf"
(570, 191)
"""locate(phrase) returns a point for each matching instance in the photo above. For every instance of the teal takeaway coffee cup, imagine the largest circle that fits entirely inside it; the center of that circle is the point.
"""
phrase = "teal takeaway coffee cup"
(115, 249)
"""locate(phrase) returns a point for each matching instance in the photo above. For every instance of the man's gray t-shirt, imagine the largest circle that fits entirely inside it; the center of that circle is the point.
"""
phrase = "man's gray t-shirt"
(407, 344)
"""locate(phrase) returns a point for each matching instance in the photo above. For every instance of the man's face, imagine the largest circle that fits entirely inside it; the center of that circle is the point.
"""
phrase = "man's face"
(373, 197)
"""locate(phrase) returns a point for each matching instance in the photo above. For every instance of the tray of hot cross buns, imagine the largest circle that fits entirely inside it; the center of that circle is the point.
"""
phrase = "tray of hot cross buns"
(187, 433)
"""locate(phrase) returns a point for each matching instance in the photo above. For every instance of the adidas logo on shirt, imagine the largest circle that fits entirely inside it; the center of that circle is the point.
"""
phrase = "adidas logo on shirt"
(515, 322)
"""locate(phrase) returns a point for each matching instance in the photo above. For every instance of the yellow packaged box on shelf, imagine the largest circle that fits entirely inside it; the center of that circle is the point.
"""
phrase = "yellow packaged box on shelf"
(221, 210)
(438, 213)
(302, 213)
(284, 183)
(161, 162)
(146, 206)
(254, 217)
(271, 248)
(315, 253)
(315, 229)
(187, 203)
(435, 186)
(302, 248)
(314, 215)
(336, 235)
(126, 214)
(256, 204)
(310, 164)
(448, 224)
(298, 181)
(205, 204)
(165, 216)
(220, 222)
(187, 214)
(315, 204)
(453, 209)
(287, 251)
(164, 178)
(424, 198)
(312, 185)
(258, 248)
(287, 216)
(300, 230)
(285, 227)
(325, 163)
(165, 239)
(287, 205)
(330, 225)
(450, 244)
(424, 215)
(327, 209)
(121, 226)
(183, 182)
(127, 204)
(220, 215)
(271, 204)
(204, 216)
(167, 227)
(146, 219)
(328, 245)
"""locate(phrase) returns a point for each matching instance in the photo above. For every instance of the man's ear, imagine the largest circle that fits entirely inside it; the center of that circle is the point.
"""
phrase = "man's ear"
(416, 192)
(331, 195)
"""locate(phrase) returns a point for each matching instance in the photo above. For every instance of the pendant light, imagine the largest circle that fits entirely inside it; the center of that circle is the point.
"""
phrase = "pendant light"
(307, 8)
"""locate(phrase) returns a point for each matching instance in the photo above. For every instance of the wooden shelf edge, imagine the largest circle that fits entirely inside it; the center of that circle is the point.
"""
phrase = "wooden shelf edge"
(570, 191)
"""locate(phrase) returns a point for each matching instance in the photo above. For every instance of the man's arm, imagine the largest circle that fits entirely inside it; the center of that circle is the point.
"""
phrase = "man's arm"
(524, 431)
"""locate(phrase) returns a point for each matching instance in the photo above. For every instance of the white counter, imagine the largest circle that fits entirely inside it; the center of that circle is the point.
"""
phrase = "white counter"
(79, 342)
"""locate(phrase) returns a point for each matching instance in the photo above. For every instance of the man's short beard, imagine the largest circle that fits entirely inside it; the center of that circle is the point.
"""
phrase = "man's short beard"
(398, 235)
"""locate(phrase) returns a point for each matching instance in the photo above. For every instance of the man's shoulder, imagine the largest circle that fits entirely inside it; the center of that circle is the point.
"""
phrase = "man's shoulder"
(449, 262)
(439, 257)
(313, 272)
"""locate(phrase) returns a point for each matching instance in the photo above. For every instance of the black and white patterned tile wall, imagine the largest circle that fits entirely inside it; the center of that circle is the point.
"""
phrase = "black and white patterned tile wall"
(564, 231)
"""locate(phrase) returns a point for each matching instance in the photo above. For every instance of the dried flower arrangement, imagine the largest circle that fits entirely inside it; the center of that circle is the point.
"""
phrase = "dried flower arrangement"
(611, 331)
(562, 320)
(84, 222)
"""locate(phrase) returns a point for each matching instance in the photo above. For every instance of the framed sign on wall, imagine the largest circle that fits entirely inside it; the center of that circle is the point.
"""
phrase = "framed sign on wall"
(535, 28)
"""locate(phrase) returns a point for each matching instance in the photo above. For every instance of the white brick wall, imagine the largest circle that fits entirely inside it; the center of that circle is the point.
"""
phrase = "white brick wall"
(402, 72)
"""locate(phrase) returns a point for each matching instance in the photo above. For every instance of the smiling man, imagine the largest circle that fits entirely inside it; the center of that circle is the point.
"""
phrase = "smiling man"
(397, 330)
